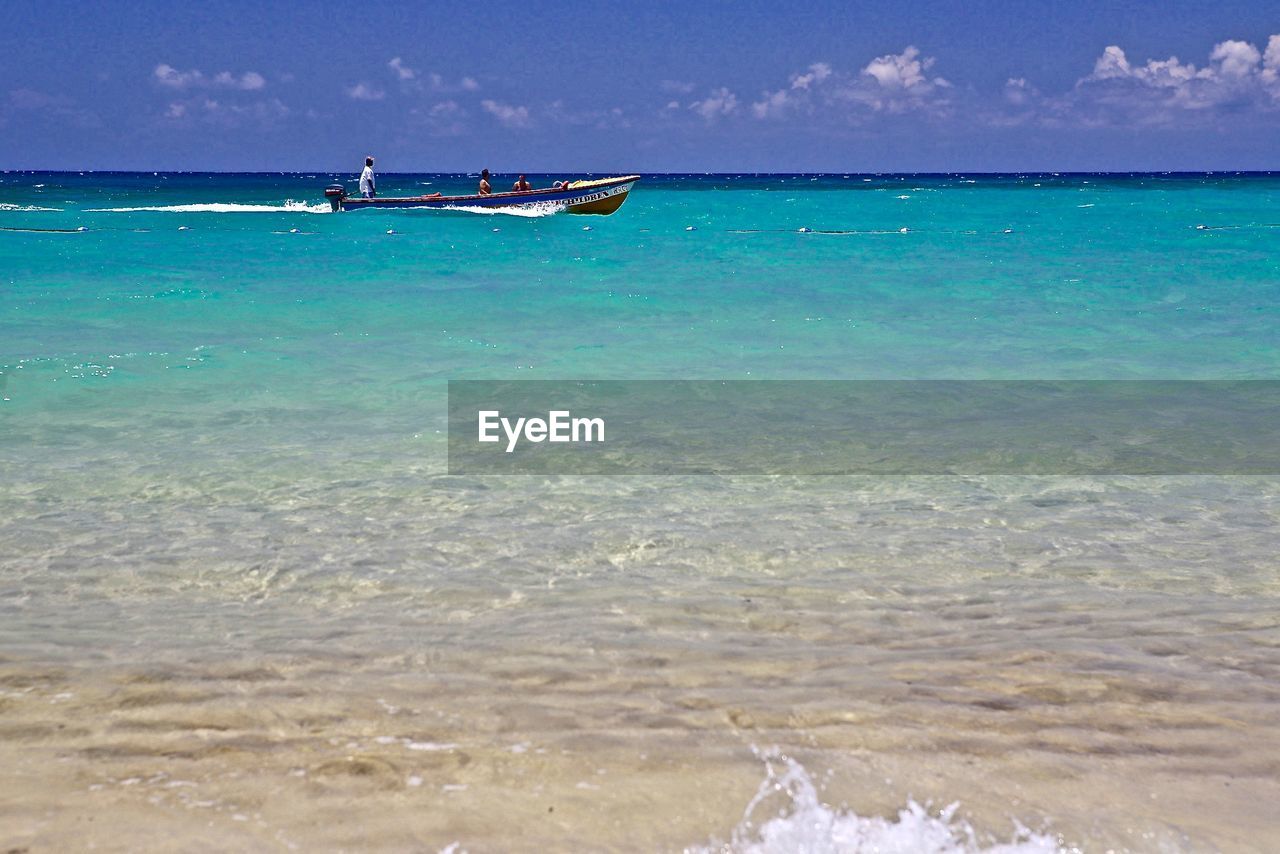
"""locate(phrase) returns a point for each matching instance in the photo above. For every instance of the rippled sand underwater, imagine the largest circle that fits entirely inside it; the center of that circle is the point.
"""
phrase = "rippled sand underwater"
(602, 663)
(241, 607)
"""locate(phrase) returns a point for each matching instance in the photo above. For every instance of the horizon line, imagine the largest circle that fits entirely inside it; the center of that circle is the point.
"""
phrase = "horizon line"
(824, 173)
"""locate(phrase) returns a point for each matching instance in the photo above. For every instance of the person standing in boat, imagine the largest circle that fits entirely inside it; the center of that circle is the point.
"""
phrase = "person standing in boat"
(522, 186)
(367, 188)
(485, 189)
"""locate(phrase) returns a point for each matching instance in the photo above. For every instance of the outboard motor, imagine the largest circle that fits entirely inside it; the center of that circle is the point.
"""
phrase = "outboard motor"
(335, 193)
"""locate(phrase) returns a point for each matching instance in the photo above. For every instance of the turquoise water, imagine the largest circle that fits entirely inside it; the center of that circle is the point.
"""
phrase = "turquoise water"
(238, 322)
(222, 452)
(1100, 277)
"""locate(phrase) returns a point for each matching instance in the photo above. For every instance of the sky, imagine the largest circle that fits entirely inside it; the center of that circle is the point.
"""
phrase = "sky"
(656, 86)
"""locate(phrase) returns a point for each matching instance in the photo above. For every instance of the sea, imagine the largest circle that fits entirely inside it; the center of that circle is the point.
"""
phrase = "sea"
(245, 606)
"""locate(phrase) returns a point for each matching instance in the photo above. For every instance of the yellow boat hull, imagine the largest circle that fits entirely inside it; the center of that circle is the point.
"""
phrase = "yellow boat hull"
(608, 199)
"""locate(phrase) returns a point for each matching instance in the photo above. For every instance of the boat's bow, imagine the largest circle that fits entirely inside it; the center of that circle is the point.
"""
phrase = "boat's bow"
(600, 197)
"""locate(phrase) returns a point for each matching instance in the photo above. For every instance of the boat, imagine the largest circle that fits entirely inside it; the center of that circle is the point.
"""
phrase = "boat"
(601, 196)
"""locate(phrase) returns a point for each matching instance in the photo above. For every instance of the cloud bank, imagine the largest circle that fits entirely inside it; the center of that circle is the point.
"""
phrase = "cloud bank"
(1237, 81)
(890, 84)
(1239, 78)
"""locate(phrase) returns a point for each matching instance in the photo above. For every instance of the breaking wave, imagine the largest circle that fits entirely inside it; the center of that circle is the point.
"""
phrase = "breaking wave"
(9, 206)
(802, 823)
(289, 206)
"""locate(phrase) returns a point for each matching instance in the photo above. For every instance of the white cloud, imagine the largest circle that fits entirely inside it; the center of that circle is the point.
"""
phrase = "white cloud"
(167, 75)
(414, 80)
(1020, 93)
(231, 108)
(1112, 63)
(901, 70)
(1271, 62)
(892, 83)
(817, 72)
(249, 81)
(1237, 76)
(776, 103)
(365, 92)
(411, 79)
(1237, 79)
(513, 117)
(901, 82)
(439, 83)
(1235, 58)
(202, 108)
(676, 87)
(401, 70)
(720, 102)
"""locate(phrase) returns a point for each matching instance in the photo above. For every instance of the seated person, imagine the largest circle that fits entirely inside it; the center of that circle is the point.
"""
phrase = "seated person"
(522, 186)
(485, 189)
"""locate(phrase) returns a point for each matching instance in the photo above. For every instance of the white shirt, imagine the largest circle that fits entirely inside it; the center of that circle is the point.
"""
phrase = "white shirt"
(366, 180)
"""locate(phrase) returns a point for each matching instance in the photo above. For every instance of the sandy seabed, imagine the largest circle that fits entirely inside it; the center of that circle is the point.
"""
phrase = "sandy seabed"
(608, 667)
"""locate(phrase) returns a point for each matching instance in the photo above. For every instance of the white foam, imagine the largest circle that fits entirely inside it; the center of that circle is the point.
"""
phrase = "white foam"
(528, 211)
(289, 206)
(9, 206)
(804, 824)
(432, 746)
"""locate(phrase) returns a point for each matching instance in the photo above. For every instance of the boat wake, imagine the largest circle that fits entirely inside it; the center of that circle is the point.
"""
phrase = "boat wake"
(533, 211)
(802, 822)
(289, 206)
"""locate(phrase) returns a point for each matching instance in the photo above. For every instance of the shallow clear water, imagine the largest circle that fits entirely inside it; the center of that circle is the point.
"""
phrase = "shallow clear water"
(239, 595)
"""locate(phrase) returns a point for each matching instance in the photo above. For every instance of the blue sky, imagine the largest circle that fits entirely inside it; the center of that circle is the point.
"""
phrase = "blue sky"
(652, 86)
